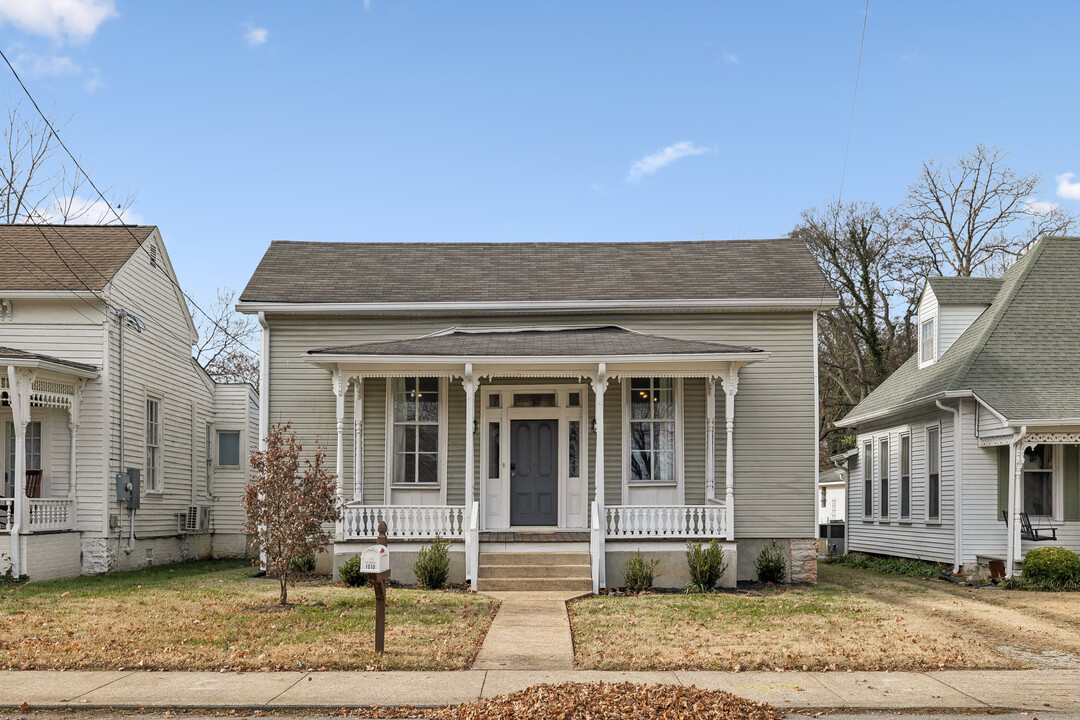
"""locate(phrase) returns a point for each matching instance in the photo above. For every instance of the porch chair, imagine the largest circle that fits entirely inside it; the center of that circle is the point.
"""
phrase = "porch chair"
(1027, 532)
(33, 483)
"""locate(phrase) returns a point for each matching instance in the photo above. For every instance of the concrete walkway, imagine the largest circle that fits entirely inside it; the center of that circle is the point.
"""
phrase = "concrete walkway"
(531, 631)
(1038, 690)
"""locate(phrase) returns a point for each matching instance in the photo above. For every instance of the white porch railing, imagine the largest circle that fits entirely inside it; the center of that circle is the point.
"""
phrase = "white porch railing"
(665, 521)
(404, 522)
(48, 514)
(7, 514)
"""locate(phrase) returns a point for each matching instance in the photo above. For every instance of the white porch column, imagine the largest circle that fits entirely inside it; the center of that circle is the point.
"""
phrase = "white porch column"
(710, 439)
(1016, 469)
(20, 383)
(731, 387)
(340, 385)
(73, 427)
(358, 438)
(472, 550)
(599, 387)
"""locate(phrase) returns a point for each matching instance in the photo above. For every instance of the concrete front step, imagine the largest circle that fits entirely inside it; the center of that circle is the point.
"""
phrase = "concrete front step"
(534, 571)
(535, 558)
(578, 584)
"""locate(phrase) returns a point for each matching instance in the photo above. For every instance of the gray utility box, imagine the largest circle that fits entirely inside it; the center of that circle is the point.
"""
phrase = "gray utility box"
(834, 536)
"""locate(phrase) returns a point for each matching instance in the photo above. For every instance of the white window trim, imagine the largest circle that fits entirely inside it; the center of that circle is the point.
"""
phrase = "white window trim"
(934, 340)
(868, 472)
(906, 433)
(679, 454)
(46, 453)
(926, 464)
(209, 435)
(146, 489)
(1058, 486)
(217, 430)
(883, 493)
(390, 486)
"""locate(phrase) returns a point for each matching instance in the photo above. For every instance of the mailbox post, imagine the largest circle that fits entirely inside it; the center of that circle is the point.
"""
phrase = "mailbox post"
(375, 561)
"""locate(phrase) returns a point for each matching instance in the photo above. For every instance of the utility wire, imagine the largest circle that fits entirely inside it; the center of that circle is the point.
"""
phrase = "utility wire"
(108, 204)
(854, 97)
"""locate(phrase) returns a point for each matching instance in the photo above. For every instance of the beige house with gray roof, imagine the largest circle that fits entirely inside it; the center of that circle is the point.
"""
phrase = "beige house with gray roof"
(553, 408)
(969, 452)
(96, 378)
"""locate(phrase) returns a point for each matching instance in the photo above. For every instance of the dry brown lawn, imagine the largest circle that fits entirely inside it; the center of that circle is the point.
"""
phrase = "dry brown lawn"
(852, 619)
(213, 615)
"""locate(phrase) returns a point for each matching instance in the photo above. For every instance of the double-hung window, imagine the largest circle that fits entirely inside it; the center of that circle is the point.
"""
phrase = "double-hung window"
(153, 444)
(416, 430)
(905, 477)
(933, 474)
(33, 453)
(1039, 480)
(868, 480)
(883, 469)
(229, 448)
(652, 430)
(928, 341)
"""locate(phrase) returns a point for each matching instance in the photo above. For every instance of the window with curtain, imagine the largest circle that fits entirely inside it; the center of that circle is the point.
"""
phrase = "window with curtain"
(416, 430)
(1039, 480)
(652, 429)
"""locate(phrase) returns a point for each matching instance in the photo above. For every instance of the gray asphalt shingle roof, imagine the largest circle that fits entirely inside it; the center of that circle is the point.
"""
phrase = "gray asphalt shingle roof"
(331, 272)
(1021, 356)
(965, 290)
(68, 257)
(7, 353)
(600, 341)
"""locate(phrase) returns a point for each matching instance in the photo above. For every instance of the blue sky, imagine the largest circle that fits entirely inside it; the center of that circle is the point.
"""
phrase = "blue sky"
(239, 123)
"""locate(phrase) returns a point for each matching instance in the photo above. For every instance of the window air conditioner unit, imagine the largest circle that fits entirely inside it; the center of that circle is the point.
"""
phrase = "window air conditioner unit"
(195, 520)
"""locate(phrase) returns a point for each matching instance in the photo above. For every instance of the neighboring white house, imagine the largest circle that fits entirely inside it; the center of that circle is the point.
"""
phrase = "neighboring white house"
(832, 496)
(969, 452)
(575, 401)
(67, 295)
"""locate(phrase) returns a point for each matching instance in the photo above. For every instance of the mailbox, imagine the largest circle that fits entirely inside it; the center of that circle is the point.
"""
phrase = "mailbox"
(375, 559)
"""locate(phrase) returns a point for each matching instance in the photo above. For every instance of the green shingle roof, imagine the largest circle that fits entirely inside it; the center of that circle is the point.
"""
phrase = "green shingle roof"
(1021, 356)
(965, 290)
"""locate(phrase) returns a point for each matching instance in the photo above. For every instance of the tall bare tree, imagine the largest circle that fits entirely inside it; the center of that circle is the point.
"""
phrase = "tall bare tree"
(975, 216)
(225, 340)
(871, 332)
(40, 183)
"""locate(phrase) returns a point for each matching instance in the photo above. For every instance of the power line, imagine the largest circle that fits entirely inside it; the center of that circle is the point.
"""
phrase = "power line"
(55, 134)
(854, 97)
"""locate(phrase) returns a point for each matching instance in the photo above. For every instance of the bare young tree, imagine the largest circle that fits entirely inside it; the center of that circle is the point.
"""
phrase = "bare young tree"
(871, 332)
(225, 339)
(976, 216)
(40, 183)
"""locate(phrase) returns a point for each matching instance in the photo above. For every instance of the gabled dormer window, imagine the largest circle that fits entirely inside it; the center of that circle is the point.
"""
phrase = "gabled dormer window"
(928, 341)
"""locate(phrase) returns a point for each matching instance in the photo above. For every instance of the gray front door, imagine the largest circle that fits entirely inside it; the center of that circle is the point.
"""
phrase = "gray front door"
(534, 472)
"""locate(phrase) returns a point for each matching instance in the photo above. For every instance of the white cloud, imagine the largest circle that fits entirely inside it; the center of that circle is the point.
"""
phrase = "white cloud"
(367, 4)
(731, 59)
(93, 82)
(75, 20)
(85, 211)
(651, 163)
(256, 36)
(1067, 187)
(36, 66)
(1034, 206)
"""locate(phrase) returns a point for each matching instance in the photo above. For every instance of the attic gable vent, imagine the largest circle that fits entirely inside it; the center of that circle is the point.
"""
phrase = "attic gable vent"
(153, 255)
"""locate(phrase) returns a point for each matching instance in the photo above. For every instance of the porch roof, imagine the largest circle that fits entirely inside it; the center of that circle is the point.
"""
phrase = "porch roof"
(608, 341)
(22, 358)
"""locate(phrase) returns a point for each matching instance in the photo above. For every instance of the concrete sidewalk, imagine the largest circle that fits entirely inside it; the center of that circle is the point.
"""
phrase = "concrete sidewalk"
(1040, 690)
(531, 631)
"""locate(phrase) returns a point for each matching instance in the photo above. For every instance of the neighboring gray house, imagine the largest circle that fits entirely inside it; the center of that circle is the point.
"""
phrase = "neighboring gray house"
(62, 289)
(982, 424)
(553, 403)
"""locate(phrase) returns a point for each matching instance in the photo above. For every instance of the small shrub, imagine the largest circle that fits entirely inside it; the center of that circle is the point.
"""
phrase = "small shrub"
(771, 565)
(639, 573)
(302, 565)
(706, 564)
(432, 567)
(350, 572)
(907, 567)
(1052, 566)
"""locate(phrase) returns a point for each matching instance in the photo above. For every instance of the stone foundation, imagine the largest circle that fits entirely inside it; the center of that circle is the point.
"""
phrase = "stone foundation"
(802, 562)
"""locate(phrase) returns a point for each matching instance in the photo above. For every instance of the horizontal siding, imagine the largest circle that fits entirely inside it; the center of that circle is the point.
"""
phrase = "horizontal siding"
(233, 410)
(775, 444)
(954, 320)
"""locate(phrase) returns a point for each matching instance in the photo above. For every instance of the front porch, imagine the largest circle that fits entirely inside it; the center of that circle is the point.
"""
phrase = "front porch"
(40, 411)
(601, 432)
